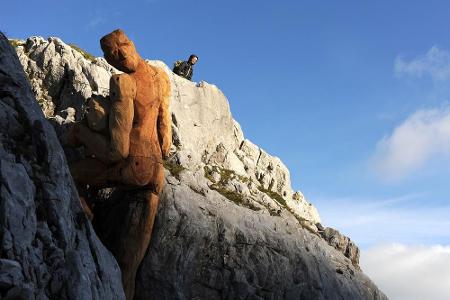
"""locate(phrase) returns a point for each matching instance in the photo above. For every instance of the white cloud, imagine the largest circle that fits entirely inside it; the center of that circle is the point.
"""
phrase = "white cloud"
(408, 219)
(435, 63)
(422, 136)
(409, 272)
(401, 272)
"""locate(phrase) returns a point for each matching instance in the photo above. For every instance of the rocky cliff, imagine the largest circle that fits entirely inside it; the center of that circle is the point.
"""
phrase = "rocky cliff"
(229, 224)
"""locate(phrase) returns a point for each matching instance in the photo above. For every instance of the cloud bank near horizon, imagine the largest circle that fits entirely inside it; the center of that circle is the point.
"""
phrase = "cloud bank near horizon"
(409, 272)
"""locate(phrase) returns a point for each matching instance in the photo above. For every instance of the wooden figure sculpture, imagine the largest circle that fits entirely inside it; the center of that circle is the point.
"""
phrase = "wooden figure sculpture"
(129, 155)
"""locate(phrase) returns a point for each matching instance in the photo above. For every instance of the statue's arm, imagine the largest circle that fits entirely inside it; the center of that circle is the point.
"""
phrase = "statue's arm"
(122, 94)
(164, 119)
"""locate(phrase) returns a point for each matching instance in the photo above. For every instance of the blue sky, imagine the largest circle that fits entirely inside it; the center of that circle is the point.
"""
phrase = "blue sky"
(353, 96)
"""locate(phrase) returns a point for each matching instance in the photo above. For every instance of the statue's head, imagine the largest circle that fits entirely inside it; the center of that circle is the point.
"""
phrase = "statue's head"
(119, 51)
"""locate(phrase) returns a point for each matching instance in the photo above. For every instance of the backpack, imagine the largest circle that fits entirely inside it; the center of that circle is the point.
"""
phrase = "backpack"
(176, 65)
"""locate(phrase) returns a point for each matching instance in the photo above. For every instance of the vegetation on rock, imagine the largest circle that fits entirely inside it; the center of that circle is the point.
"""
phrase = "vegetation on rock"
(174, 168)
(221, 186)
(85, 54)
(16, 43)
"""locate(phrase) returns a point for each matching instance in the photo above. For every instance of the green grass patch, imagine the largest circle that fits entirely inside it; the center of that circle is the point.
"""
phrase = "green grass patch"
(225, 176)
(230, 195)
(85, 54)
(303, 222)
(208, 173)
(234, 197)
(274, 195)
(16, 43)
(277, 197)
(174, 168)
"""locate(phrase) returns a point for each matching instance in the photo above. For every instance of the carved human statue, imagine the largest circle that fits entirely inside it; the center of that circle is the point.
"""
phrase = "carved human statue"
(128, 153)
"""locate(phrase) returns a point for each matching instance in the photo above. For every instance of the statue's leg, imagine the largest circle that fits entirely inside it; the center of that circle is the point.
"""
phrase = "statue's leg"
(126, 225)
(133, 250)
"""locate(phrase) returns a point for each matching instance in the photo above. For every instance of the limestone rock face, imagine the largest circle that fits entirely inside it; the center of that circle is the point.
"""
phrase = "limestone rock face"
(48, 249)
(229, 224)
(60, 76)
(206, 248)
(342, 244)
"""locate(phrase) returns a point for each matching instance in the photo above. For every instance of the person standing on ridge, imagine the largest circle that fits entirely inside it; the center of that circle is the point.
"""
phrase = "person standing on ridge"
(185, 68)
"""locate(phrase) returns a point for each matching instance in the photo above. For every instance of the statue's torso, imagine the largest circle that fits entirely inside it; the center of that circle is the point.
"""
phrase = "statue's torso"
(144, 133)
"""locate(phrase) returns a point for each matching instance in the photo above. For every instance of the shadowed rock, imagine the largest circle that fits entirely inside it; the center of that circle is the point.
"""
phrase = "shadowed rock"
(48, 249)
